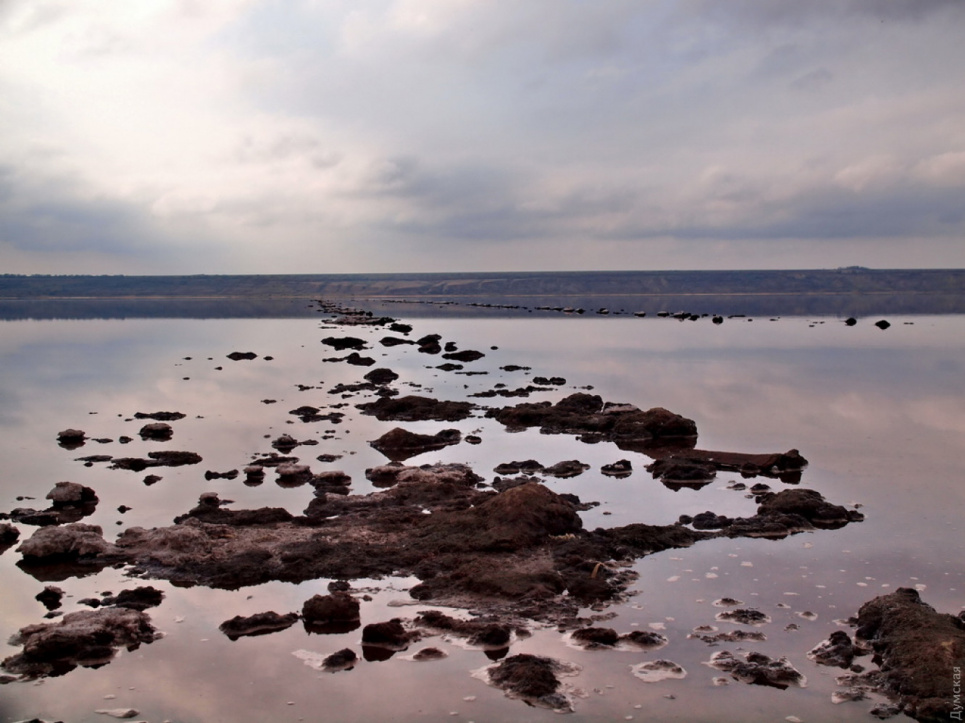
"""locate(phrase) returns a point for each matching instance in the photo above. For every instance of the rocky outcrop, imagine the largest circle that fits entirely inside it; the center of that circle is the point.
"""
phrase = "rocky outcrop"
(399, 444)
(534, 679)
(592, 420)
(257, 624)
(414, 408)
(163, 458)
(88, 638)
(920, 652)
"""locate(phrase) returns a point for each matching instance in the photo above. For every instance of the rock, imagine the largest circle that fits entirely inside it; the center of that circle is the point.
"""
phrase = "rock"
(293, 475)
(120, 713)
(619, 469)
(70, 493)
(466, 355)
(344, 659)
(331, 482)
(389, 634)
(529, 466)
(533, 679)
(381, 376)
(345, 342)
(808, 504)
(358, 360)
(882, 324)
(240, 355)
(71, 438)
(429, 344)
(850, 321)
(743, 616)
(758, 669)
(50, 597)
(569, 468)
(413, 408)
(838, 650)
(8, 535)
(917, 650)
(337, 609)
(88, 638)
(587, 416)
(429, 654)
(160, 431)
(592, 638)
(286, 443)
(67, 542)
(394, 341)
(478, 632)
(160, 416)
(211, 474)
(140, 598)
(654, 671)
(644, 639)
(549, 381)
(400, 444)
(682, 470)
(786, 466)
(257, 624)
(163, 458)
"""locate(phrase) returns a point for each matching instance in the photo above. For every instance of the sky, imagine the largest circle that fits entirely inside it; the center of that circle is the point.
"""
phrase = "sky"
(355, 136)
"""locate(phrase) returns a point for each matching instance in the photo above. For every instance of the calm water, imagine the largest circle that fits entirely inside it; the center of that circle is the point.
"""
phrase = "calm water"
(879, 414)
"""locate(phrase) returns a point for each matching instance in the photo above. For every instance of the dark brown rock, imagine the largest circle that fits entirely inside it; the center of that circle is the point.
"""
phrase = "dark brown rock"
(532, 678)
(390, 634)
(345, 342)
(400, 444)
(159, 431)
(242, 355)
(339, 607)
(88, 638)
(257, 624)
(918, 650)
(413, 408)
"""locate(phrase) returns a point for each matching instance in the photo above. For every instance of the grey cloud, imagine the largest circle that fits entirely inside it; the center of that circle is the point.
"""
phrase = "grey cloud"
(789, 13)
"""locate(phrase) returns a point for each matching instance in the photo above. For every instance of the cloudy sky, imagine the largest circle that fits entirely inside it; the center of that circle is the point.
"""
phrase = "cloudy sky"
(314, 136)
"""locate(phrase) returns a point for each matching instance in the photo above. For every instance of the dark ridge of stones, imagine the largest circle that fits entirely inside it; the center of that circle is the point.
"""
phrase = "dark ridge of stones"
(734, 636)
(88, 638)
(91, 459)
(449, 367)
(399, 444)
(160, 416)
(477, 632)
(381, 376)
(681, 471)
(917, 650)
(515, 368)
(165, 458)
(743, 616)
(358, 360)
(273, 460)
(211, 512)
(242, 355)
(257, 624)
(139, 598)
(429, 344)
(158, 431)
(501, 484)
(411, 408)
(400, 327)
(464, 356)
(644, 639)
(758, 669)
(345, 342)
(586, 416)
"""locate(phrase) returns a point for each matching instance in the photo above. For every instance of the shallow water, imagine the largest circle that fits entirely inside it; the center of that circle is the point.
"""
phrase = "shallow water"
(879, 414)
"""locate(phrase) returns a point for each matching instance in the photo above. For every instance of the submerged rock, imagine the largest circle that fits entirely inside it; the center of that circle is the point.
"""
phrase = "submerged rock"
(838, 650)
(477, 632)
(159, 431)
(162, 458)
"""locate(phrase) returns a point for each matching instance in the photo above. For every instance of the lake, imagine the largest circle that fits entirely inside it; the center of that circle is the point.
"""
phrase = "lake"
(879, 414)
